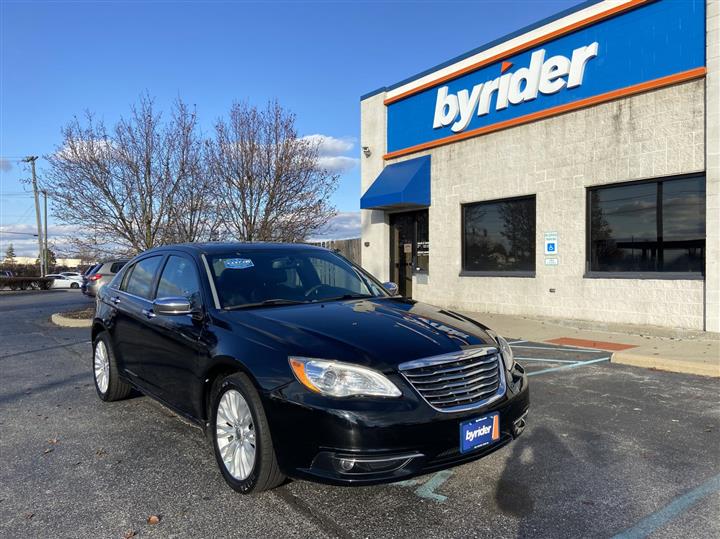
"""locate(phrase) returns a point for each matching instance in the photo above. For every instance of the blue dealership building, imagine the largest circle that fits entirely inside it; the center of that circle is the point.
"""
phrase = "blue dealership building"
(570, 169)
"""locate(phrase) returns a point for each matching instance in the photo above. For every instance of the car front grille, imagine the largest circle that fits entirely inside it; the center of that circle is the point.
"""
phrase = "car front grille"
(458, 381)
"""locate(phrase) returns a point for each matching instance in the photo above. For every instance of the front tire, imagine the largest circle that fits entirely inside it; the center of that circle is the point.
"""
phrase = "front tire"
(241, 436)
(74, 286)
(108, 384)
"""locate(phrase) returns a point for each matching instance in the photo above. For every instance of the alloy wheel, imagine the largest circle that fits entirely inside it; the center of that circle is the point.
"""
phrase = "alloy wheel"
(235, 434)
(101, 364)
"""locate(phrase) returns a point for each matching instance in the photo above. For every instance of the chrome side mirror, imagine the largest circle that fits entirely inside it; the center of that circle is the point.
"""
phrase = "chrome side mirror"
(391, 287)
(172, 306)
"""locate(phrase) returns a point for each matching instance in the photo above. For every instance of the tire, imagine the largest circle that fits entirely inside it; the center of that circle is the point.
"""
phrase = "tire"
(74, 286)
(236, 436)
(108, 384)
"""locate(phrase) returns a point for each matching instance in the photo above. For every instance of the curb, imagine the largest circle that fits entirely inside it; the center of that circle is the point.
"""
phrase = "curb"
(63, 321)
(667, 364)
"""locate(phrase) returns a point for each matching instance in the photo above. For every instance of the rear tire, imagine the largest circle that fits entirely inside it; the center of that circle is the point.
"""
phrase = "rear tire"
(74, 286)
(108, 384)
(237, 421)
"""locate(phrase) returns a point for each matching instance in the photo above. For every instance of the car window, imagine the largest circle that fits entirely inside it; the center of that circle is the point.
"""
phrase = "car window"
(253, 277)
(179, 279)
(117, 266)
(140, 281)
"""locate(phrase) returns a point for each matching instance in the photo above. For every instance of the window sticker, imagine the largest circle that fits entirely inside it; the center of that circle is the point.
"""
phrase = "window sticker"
(238, 263)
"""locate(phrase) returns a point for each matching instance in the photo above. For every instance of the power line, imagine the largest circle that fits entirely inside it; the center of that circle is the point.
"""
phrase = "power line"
(21, 233)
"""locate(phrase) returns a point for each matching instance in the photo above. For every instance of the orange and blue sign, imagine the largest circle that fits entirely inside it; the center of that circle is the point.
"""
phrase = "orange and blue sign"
(642, 45)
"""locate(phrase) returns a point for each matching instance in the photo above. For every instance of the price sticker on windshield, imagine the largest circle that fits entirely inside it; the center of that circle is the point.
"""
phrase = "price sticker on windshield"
(238, 263)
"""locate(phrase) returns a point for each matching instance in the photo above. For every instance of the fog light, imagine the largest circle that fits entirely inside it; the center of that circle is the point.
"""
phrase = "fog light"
(519, 425)
(347, 464)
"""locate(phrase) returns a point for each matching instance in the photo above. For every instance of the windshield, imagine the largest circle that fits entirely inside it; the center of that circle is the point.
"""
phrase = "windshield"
(245, 279)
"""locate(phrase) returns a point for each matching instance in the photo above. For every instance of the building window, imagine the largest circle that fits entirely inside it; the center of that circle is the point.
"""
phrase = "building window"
(499, 236)
(656, 226)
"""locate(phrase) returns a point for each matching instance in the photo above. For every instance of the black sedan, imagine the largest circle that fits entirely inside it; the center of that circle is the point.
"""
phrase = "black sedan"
(298, 363)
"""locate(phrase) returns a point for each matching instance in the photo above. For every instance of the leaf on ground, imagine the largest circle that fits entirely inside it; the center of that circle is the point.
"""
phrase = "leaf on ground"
(153, 519)
(101, 452)
(28, 516)
(53, 441)
(129, 534)
(48, 450)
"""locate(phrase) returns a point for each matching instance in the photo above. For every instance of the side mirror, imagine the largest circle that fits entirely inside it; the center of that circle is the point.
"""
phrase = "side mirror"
(172, 306)
(391, 287)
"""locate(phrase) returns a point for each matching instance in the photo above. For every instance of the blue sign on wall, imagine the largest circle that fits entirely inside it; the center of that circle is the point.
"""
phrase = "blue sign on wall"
(654, 42)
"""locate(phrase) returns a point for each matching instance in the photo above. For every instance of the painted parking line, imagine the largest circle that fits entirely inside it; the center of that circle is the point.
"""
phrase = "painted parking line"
(570, 366)
(679, 505)
(546, 359)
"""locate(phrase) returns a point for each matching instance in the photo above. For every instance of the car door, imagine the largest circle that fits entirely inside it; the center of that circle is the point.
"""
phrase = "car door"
(133, 313)
(174, 369)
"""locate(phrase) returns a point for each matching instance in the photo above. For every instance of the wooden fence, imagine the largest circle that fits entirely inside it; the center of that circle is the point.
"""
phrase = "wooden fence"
(350, 249)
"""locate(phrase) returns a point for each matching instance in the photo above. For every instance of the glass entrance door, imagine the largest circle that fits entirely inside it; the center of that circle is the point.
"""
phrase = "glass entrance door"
(409, 248)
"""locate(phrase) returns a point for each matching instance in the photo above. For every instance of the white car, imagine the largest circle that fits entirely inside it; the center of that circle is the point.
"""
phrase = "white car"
(61, 281)
(72, 274)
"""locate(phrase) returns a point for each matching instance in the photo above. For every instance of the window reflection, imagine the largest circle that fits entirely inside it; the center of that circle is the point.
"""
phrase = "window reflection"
(500, 235)
(649, 226)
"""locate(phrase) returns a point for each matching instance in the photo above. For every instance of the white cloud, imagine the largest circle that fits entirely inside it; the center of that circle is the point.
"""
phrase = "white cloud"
(344, 225)
(330, 145)
(27, 245)
(337, 163)
(331, 150)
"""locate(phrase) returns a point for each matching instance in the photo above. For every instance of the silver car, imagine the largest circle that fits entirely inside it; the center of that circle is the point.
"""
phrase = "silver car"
(101, 275)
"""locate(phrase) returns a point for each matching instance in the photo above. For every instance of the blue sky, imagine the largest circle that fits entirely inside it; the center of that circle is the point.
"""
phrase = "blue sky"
(59, 58)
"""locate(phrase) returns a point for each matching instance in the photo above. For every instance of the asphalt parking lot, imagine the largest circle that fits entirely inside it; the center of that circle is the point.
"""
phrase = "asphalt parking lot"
(609, 451)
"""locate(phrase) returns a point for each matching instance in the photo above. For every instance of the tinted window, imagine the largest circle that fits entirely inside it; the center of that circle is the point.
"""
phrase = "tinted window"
(179, 279)
(499, 235)
(256, 276)
(649, 226)
(141, 277)
(117, 266)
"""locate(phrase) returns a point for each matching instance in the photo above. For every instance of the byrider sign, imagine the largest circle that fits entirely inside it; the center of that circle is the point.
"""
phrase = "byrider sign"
(636, 47)
(542, 76)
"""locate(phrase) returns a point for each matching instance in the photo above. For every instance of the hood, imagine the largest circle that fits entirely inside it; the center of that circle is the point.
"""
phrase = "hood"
(378, 332)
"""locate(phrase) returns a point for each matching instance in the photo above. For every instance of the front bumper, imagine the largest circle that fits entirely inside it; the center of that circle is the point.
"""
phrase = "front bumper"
(370, 440)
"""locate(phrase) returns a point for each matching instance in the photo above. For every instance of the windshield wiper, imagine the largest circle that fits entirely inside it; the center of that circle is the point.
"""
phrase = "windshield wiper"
(347, 296)
(266, 303)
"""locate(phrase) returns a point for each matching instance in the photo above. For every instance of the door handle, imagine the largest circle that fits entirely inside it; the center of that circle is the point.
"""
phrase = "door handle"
(148, 313)
(115, 300)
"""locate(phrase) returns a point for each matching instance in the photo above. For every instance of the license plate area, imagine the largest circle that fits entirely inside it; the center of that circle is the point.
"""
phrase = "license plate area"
(479, 432)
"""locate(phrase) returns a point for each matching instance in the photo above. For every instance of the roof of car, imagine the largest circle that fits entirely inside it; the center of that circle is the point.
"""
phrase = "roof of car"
(223, 247)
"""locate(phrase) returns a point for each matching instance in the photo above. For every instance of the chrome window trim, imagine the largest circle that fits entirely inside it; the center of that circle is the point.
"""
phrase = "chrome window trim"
(466, 353)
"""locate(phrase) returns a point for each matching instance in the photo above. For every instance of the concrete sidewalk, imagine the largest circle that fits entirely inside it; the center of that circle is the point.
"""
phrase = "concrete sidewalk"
(685, 351)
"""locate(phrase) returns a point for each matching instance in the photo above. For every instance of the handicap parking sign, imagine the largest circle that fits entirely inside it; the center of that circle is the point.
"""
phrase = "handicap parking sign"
(551, 243)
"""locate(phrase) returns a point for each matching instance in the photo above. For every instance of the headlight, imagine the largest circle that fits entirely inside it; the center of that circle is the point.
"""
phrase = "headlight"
(338, 379)
(505, 350)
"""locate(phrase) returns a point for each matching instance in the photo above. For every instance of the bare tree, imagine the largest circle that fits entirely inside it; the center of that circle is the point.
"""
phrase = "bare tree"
(129, 187)
(273, 188)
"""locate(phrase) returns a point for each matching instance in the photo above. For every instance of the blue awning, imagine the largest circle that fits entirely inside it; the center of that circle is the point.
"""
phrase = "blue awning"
(400, 185)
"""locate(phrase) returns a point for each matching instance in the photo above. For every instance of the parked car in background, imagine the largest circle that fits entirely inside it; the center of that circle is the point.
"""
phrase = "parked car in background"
(299, 363)
(101, 275)
(72, 274)
(61, 281)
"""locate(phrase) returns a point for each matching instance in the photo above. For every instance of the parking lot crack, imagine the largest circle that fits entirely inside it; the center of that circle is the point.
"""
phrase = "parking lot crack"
(326, 524)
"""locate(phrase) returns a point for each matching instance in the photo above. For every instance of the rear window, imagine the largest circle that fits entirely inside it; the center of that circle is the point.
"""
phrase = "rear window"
(117, 266)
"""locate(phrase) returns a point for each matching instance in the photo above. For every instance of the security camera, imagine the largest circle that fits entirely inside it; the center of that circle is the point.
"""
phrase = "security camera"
(366, 151)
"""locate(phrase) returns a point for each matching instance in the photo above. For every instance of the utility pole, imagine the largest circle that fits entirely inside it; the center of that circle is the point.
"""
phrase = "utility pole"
(31, 159)
(47, 253)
